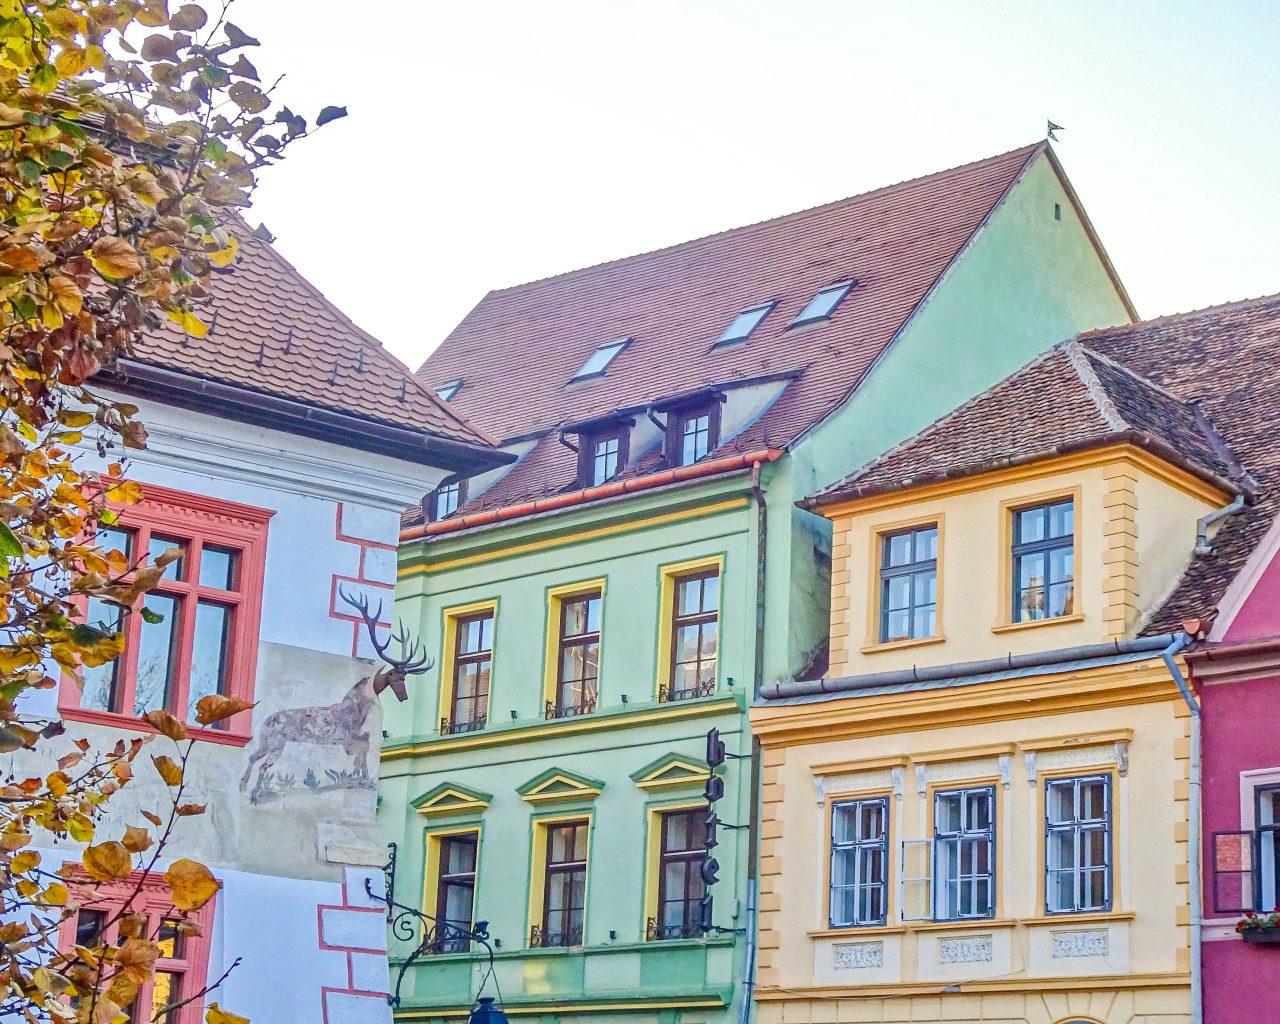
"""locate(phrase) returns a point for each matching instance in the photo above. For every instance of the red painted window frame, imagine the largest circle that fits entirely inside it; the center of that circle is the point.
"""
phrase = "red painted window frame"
(153, 898)
(212, 521)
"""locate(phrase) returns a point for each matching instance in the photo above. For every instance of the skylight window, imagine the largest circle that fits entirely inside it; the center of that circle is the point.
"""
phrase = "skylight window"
(745, 322)
(822, 305)
(600, 359)
(448, 389)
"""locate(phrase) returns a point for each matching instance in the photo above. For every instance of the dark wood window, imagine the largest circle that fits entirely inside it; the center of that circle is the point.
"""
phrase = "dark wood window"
(1077, 841)
(680, 887)
(602, 455)
(472, 665)
(1043, 561)
(908, 584)
(692, 433)
(695, 636)
(446, 499)
(605, 459)
(456, 892)
(564, 897)
(859, 862)
(578, 657)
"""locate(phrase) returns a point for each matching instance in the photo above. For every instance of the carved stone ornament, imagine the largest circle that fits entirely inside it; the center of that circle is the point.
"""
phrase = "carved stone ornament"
(922, 781)
(896, 775)
(1096, 942)
(1005, 763)
(853, 956)
(1031, 767)
(975, 949)
(819, 784)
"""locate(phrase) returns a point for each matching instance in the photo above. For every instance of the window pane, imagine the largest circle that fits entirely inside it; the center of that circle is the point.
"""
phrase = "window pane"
(157, 645)
(744, 323)
(1060, 802)
(710, 593)
(89, 927)
(99, 693)
(170, 940)
(1060, 519)
(924, 623)
(218, 567)
(898, 592)
(842, 817)
(822, 305)
(949, 807)
(209, 652)
(897, 626)
(871, 823)
(1061, 564)
(926, 587)
(899, 549)
(1032, 524)
(1093, 800)
(166, 989)
(459, 855)
(926, 544)
(159, 544)
(600, 359)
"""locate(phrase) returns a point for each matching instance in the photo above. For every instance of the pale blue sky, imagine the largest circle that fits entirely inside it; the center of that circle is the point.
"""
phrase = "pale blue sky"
(494, 141)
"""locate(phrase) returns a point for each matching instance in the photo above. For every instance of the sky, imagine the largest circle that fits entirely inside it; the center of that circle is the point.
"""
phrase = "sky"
(492, 142)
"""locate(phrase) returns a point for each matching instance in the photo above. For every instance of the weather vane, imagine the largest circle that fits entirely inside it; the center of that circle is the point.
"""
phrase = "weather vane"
(1051, 128)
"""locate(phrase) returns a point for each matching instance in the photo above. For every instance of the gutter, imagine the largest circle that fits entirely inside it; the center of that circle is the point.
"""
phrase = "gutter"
(958, 670)
(1203, 547)
(260, 409)
(613, 488)
(1176, 646)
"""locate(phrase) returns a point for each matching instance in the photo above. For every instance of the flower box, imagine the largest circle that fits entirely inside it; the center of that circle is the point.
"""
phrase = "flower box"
(1261, 936)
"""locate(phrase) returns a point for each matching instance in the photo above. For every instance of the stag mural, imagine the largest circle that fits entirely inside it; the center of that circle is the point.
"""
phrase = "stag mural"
(344, 724)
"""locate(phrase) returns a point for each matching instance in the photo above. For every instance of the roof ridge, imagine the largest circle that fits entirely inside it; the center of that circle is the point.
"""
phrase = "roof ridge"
(1190, 314)
(1093, 386)
(1030, 150)
(938, 424)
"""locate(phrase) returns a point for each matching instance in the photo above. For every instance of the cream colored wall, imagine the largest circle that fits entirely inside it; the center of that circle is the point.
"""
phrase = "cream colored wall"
(1146, 934)
(1134, 531)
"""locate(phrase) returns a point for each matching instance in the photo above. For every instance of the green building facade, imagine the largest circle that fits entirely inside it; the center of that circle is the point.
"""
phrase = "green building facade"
(565, 805)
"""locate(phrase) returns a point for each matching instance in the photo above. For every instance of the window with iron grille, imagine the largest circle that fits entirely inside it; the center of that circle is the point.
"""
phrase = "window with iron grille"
(859, 862)
(695, 635)
(472, 667)
(964, 842)
(578, 665)
(1043, 561)
(1077, 844)
(680, 887)
(565, 893)
(909, 584)
(456, 891)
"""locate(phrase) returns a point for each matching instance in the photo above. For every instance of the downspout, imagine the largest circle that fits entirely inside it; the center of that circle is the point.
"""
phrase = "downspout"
(1202, 525)
(753, 819)
(1193, 820)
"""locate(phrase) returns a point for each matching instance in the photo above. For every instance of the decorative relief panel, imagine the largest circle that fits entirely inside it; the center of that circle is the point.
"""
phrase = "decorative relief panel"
(1079, 943)
(1070, 757)
(852, 956)
(853, 782)
(975, 949)
(980, 767)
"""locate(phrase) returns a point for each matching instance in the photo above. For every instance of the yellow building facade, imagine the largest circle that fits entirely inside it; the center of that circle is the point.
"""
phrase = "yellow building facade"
(981, 812)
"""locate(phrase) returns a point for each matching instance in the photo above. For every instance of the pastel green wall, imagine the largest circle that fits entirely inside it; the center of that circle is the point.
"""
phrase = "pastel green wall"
(616, 964)
(1026, 282)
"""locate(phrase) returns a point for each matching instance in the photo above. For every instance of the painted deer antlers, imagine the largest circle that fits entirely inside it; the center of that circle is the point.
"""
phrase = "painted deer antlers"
(413, 659)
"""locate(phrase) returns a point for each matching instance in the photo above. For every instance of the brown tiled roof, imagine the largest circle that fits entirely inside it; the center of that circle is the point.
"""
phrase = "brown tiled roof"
(517, 350)
(1067, 399)
(275, 334)
(1202, 388)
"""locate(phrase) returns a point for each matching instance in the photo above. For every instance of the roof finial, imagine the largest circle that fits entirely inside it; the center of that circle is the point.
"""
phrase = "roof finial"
(1051, 128)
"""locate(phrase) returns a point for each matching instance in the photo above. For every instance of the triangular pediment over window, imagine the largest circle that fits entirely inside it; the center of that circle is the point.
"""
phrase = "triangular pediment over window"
(672, 771)
(556, 784)
(451, 798)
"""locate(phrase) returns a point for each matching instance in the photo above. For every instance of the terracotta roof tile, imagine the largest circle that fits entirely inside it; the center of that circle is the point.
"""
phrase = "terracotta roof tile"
(274, 333)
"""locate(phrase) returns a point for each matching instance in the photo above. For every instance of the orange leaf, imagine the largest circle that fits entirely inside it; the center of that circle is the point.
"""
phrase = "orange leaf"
(191, 884)
(107, 862)
(215, 707)
(169, 769)
(165, 723)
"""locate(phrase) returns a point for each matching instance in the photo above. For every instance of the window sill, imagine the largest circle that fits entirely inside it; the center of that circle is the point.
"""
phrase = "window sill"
(899, 645)
(114, 721)
(1059, 620)
(1088, 917)
(858, 930)
(967, 924)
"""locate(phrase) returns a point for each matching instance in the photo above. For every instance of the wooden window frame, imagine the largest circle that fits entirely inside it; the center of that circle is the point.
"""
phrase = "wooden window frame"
(450, 619)
(200, 521)
(667, 575)
(1107, 777)
(432, 505)
(700, 619)
(539, 932)
(150, 895)
(556, 707)
(991, 835)
(676, 419)
(690, 929)
(463, 658)
(587, 442)
(443, 881)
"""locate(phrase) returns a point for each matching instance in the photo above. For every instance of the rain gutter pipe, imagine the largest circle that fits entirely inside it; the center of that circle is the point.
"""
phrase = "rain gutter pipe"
(1203, 546)
(1193, 818)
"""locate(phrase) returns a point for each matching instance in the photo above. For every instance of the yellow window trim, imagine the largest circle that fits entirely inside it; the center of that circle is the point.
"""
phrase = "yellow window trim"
(652, 861)
(431, 863)
(449, 644)
(1043, 778)
(538, 868)
(1004, 622)
(890, 881)
(666, 597)
(948, 786)
(874, 644)
(555, 599)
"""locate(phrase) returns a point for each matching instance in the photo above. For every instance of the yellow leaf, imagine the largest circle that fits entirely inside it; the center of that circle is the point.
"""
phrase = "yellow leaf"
(80, 828)
(100, 652)
(107, 862)
(125, 492)
(19, 259)
(137, 959)
(165, 723)
(191, 884)
(136, 840)
(55, 895)
(24, 862)
(71, 62)
(67, 295)
(169, 770)
(189, 322)
(51, 316)
(57, 783)
(215, 707)
(113, 257)
(75, 418)
(223, 257)
(217, 1015)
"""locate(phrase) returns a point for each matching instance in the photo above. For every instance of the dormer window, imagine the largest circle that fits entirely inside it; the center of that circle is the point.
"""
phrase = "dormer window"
(744, 323)
(822, 305)
(445, 500)
(600, 359)
(692, 433)
(602, 455)
(448, 389)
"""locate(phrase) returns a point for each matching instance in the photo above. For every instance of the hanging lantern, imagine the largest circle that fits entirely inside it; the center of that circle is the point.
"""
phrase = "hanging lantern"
(484, 1012)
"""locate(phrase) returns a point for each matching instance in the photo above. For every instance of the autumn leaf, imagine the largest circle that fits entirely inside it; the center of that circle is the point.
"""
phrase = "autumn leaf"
(55, 895)
(215, 707)
(137, 959)
(67, 294)
(107, 862)
(166, 724)
(115, 258)
(189, 322)
(169, 769)
(191, 884)
(20, 259)
(190, 810)
(136, 840)
(215, 1014)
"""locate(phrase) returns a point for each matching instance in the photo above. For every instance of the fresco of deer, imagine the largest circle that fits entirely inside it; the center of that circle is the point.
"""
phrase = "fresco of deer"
(345, 723)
